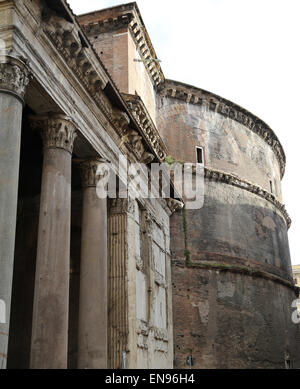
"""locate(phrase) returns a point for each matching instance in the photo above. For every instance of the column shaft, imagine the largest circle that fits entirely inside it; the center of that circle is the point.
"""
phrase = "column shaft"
(51, 298)
(13, 80)
(93, 308)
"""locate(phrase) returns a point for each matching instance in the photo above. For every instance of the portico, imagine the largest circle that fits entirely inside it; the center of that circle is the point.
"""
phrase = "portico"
(62, 117)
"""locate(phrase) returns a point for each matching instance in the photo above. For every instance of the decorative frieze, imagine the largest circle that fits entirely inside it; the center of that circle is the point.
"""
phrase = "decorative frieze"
(121, 121)
(122, 206)
(106, 25)
(68, 41)
(135, 141)
(57, 130)
(228, 109)
(230, 179)
(145, 122)
(146, 50)
(14, 76)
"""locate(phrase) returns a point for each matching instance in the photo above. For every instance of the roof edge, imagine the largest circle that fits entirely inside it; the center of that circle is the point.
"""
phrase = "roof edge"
(197, 96)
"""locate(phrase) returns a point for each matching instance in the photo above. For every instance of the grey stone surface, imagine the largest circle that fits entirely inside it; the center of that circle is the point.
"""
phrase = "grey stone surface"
(92, 341)
(10, 138)
(51, 299)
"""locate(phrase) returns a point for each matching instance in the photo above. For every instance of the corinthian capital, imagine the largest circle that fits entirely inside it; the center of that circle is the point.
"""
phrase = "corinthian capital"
(58, 131)
(14, 76)
(92, 171)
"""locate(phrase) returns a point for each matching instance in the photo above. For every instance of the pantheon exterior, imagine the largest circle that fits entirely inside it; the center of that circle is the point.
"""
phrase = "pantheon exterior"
(92, 283)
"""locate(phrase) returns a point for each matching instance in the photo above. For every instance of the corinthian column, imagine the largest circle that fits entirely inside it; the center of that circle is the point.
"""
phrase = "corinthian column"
(92, 344)
(13, 81)
(51, 297)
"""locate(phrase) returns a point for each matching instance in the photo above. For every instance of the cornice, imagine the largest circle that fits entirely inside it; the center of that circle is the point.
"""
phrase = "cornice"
(248, 270)
(146, 50)
(130, 17)
(66, 39)
(226, 108)
(226, 178)
(140, 113)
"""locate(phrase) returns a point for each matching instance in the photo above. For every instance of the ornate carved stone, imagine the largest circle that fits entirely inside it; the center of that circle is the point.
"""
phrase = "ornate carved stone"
(121, 121)
(145, 122)
(174, 205)
(136, 142)
(91, 172)
(122, 206)
(56, 24)
(65, 36)
(14, 76)
(57, 130)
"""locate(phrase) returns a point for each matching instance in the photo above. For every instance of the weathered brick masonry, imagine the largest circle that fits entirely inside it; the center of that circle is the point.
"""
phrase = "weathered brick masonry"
(93, 283)
(231, 267)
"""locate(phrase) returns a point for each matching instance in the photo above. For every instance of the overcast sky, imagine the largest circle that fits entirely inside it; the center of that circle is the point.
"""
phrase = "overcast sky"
(244, 50)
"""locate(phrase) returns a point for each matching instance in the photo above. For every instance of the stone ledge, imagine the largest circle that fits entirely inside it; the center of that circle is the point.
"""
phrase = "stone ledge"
(233, 180)
(143, 118)
(235, 268)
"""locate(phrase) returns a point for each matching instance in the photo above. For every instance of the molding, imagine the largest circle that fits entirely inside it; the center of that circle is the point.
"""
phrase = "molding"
(130, 18)
(214, 103)
(122, 206)
(140, 113)
(135, 142)
(67, 41)
(247, 270)
(58, 131)
(146, 50)
(230, 179)
(106, 25)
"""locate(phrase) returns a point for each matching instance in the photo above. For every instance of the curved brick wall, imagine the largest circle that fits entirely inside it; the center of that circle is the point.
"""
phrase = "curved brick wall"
(231, 320)
(228, 145)
(231, 267)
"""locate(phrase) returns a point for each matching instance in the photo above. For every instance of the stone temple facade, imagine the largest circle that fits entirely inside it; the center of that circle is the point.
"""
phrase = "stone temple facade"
(98, 283)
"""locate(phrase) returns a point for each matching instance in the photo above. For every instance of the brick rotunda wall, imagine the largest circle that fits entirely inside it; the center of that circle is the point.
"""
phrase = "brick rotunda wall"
(231, 267)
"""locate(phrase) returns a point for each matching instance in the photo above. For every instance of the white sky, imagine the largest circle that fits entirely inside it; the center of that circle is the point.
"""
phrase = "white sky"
(244, 50)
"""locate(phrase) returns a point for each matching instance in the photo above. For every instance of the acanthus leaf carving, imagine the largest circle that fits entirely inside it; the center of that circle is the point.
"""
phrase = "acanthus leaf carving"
(58, 131)
(14, 76)
(92, 171)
